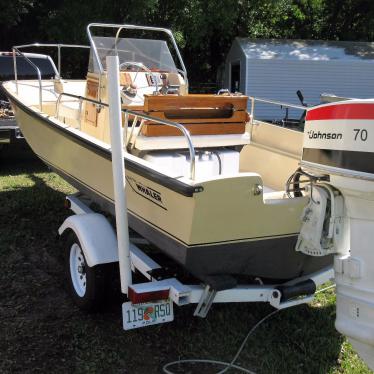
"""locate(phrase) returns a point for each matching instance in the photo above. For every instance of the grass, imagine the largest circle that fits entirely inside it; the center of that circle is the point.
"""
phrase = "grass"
(43, 331)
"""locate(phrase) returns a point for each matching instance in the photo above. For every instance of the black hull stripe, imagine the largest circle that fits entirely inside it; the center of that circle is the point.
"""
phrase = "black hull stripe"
(272, 258)
(162, 179)
(349, 160)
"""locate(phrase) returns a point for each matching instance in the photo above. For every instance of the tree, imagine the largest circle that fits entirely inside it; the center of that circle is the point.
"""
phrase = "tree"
(204, 29)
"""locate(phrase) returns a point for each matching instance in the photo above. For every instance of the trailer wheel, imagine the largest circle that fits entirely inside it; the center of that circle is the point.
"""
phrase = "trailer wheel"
(86, 284)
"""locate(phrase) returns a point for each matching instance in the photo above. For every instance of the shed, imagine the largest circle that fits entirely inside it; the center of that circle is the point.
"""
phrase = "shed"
(276, 69)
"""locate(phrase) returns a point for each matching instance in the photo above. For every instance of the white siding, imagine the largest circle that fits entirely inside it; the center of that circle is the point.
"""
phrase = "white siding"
(235, 54)
(276, 69)
(280, 79)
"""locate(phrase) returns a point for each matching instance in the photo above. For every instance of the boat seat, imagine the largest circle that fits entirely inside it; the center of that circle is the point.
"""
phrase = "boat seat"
(69, 112)
(69, 108)
(151, 143)
(200, 114)
(77, 87)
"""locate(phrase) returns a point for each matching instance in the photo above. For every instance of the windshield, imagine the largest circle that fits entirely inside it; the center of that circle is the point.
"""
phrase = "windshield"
(154, 54)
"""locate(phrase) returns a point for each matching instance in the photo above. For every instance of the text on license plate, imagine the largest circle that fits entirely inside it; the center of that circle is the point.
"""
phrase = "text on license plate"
(141, 315)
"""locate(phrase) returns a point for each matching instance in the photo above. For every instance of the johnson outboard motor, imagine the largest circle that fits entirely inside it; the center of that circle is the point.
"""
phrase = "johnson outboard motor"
(339, 145)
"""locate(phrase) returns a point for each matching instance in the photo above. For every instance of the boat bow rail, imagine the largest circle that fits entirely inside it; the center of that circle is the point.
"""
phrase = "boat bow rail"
(17, 52)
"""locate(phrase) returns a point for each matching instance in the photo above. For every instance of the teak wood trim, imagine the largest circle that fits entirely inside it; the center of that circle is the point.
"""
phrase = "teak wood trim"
(90, 115)
(172, 102)
(92, 88)
(237, 116)
(194, 129)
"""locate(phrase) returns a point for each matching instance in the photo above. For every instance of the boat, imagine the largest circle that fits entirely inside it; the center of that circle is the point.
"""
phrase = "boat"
(206, 182)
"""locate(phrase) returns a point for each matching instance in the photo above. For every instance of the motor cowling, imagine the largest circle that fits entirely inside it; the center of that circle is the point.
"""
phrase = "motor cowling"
(339, 139)
(339, 142)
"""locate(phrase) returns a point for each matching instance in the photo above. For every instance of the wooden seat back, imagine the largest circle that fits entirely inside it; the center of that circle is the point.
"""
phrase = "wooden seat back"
(200, 114)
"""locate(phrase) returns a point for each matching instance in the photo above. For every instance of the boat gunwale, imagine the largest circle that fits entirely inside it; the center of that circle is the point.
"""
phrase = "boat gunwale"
(142, 170)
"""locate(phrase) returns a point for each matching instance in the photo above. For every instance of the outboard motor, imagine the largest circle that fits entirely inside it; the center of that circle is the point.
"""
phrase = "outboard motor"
(339, 144)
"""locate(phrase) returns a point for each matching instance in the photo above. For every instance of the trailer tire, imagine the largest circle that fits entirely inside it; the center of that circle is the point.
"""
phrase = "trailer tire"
(87, 285)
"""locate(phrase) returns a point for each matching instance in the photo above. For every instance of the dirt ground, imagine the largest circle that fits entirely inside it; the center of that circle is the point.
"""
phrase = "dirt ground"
(42, 331)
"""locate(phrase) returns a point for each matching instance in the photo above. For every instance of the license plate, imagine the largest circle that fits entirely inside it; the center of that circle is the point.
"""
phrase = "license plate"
(141, 315)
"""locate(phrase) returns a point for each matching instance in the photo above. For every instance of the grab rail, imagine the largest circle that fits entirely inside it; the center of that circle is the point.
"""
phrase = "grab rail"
(56, 45)
(274, 102)
(16, 49)
(143, 118)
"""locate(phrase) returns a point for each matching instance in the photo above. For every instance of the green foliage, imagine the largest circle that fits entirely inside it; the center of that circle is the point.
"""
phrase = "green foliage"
(43, 332)
(204, 29)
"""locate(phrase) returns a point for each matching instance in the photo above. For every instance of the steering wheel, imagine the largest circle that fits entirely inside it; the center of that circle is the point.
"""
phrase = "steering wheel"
(130, 91)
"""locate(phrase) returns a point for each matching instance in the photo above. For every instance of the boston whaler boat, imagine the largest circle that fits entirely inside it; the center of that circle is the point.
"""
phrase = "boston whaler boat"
(205, 181)
(217, 191)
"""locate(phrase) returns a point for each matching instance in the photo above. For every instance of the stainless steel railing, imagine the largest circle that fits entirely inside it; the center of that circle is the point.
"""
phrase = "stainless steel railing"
(274, 102)
(16, 51)
(136, 117)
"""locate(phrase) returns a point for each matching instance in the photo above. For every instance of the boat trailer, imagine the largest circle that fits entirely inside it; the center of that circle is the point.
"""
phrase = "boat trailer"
(94, 231)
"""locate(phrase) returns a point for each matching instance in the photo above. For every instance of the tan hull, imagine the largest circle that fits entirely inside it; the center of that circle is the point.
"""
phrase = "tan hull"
(226, 228)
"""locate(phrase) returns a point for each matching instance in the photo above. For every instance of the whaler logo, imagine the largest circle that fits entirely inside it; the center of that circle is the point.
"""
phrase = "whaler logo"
(324, 135)
(147, 192)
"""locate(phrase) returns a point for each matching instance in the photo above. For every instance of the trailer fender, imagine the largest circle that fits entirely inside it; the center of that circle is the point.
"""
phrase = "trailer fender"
(96, 236)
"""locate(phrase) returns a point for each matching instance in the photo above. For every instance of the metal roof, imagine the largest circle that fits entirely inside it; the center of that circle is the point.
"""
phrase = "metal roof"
(312, 50)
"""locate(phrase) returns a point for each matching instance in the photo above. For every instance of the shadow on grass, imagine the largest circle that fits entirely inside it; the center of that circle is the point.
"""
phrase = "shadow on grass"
(16, 148)
(31, 271)
(43, 331)
(16, 159)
